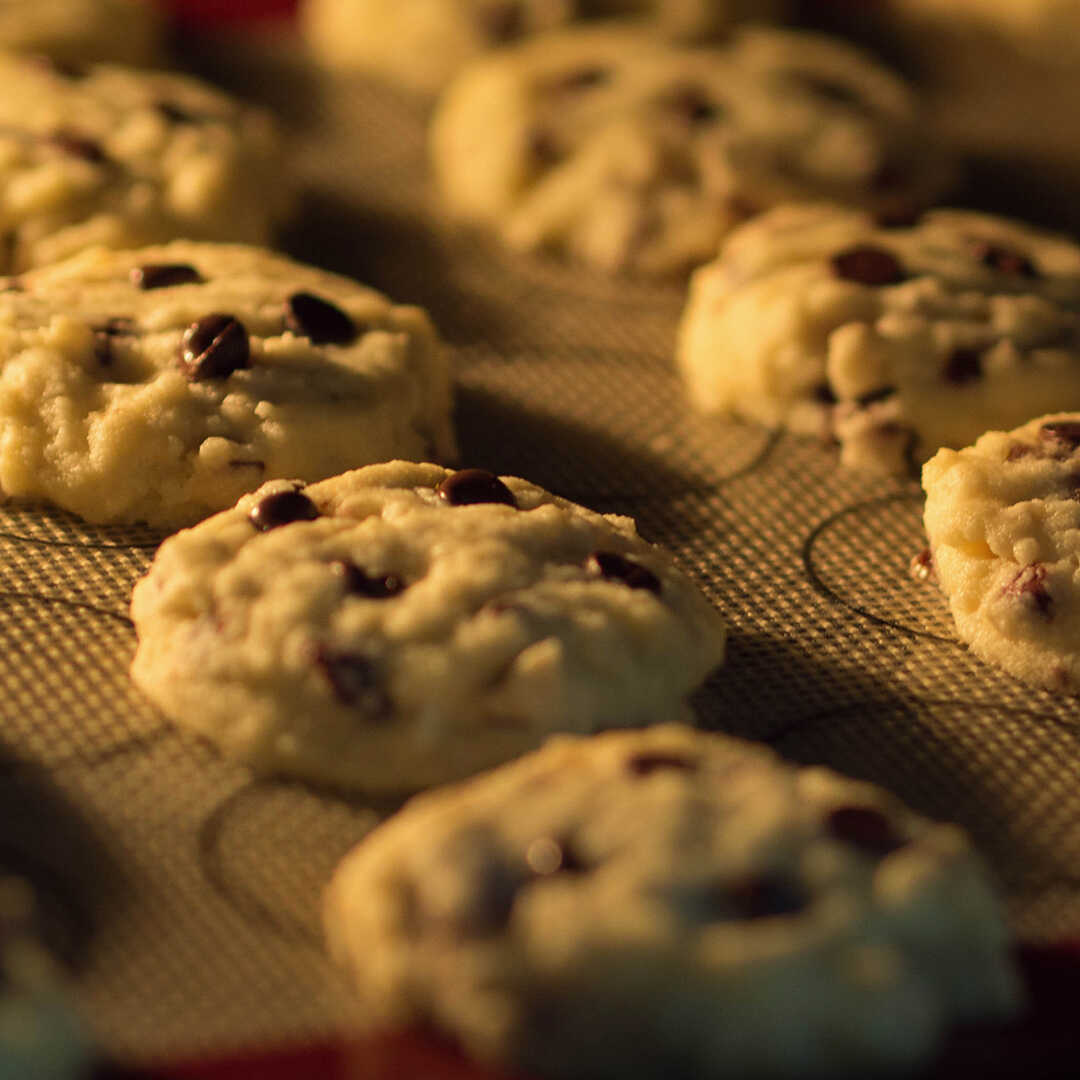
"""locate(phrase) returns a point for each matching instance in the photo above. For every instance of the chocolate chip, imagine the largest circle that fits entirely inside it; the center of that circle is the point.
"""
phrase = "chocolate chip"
(963, 365)
(214, 347)
(867, 265)
(1019, 451)
(475, 486)
(1029, 585)
(319, 320)
(762, 897)
(1003, 259)
(921, 566)
(502, 20)
(864, 828)
(648, 762)
(164, 275)
(358, 583)
(691, 103)
(79, 146)
(354, 680)
(104, 335)
(282, 508)
(823, 393)
(546, 856)
(1065, 432)
(879, 393)
(615, 567)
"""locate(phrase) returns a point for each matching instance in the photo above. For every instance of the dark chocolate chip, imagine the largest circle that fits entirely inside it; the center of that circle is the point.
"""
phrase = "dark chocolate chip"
(921, 566)
(615, 567)
(1065, 432)
(502, 20)
(354, 680)
(864, 828)
(475, 486)
(879, 393)
(359, 583)
(1020, 450)
(648, 762)
(282, 508)
(963, 365)
(1003, 259)
(1029, 585)
(868, 265)
(692, 104)
(214, 347)
(104, 335)
(164, 275)
(762, 898)
(76, 145)
(319, 320)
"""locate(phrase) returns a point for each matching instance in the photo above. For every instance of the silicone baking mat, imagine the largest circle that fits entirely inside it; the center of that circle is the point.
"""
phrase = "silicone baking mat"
(185, 893)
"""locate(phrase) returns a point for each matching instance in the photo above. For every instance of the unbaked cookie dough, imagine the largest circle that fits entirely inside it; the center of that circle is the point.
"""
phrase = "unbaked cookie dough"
(422, 44)
(895, 340)
(403, 624)
(160, 384)
(1003, 521)
(114, 156)
(638, 155)
(78, 32)
(671, 903)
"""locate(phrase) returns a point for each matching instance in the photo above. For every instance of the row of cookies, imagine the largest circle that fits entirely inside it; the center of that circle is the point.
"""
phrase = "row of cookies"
(307, 606)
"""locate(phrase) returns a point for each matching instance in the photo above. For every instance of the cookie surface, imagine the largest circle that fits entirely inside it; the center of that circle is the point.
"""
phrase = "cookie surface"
(83, 31)
(1003, 521)
(894, 340)
(670, 903)
(635, 154)
(114, 156)
(410, 625)
(160, 384)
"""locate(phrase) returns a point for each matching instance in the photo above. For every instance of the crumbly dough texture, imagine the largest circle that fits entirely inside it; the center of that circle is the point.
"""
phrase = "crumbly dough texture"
(893, 340)
(83, 31)
(670, 903)
(99, 415)
(1003, 522)
(636, 154)
(422, 44)
(110, 155)
(498, 631)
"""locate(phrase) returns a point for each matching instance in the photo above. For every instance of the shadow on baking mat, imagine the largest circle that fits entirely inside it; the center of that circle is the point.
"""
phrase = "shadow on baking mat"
(399, 256)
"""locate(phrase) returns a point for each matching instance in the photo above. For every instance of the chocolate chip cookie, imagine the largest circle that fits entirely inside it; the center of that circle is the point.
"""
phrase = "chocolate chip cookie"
(160, 384)
(1003, 521)
(403, 624)
(893, 339)
(671, 903)
(109, 155)
(636, 154)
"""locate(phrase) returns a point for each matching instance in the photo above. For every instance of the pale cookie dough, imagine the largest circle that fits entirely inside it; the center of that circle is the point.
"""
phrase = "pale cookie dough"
(638, 155)
(1003, 521)
(422, 44)
(894, 340)
(78, 32)
(402, 625)
(671, 903)
(160, 384)
(114, 156)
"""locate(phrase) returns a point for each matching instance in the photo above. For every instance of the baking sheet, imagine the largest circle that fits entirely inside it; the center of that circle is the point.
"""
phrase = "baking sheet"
(185, 893)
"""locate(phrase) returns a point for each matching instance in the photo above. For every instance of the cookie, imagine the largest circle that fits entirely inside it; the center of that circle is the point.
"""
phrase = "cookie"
(402, 624)
(419, 44)
(160, 384)
(83, 31)
(638, 155)
(114, 156)
(894, 340)
(422, 44)
(671, 903)
(1003, 522)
